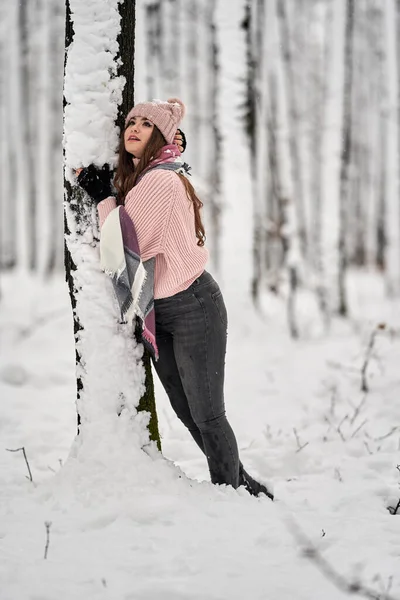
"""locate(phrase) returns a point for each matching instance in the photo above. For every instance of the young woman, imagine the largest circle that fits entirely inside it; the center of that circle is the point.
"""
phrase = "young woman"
(190, 314)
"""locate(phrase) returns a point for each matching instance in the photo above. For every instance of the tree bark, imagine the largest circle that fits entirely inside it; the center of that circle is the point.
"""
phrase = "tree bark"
(294, 134)
(345, 156)
(214, 154)
(126, 42)
(79, 218)
(26, 124)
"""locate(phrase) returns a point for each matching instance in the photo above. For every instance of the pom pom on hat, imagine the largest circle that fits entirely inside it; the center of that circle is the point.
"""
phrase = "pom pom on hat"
(182, 106)
(167, 116)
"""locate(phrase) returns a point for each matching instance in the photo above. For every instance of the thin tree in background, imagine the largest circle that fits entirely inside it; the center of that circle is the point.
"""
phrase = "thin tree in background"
(54, 173)
(82, 271)
(214, 148)
(345, 156)
(276, 243)
(392, 170)
(154, 45)
(294, 134)
(193, 15)
(249, 24)
(321, 64)
(26, 125)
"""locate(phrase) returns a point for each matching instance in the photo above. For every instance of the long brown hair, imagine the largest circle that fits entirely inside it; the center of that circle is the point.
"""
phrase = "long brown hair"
(127, 175)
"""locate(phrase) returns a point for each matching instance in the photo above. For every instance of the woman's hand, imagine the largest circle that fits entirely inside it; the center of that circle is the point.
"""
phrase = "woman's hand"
(180, 140)
(96, 182)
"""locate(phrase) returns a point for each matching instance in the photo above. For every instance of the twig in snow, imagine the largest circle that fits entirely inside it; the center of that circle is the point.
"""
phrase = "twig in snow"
(359, 427)
(368, 356)
(338, 475)
(26, 460)
(391, 432)
(368, 448)
(299, 445)
(338, 428)
(338, 580)
(358, 409)
(47, 524)
(385, 589)
(393, 511)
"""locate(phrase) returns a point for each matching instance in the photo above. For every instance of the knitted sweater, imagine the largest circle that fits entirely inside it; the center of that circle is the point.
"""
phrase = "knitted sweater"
(163, 217)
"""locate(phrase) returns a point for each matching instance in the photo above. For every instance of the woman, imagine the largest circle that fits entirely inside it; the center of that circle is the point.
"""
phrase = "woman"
(190, 314)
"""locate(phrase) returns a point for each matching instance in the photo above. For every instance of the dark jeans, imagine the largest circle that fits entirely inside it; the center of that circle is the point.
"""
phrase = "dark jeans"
(191, 330)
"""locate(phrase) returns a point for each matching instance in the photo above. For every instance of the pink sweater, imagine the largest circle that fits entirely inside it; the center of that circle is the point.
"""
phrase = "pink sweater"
(163, 217)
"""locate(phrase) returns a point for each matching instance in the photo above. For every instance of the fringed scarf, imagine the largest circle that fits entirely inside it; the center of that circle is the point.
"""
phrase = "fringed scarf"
(133, 280)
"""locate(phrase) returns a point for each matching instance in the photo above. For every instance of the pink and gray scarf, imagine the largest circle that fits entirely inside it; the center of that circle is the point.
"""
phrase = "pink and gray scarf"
(133, 280)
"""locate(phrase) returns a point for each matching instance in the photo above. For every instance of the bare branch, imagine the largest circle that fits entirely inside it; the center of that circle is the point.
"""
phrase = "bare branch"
(26, 460)
(299, 445)
(358, 409)
(47, 524)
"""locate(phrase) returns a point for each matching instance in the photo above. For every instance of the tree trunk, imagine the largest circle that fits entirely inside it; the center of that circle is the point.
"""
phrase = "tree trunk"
(154, 40)
(294, 133)
(26, 125)
(54, 139)
(110, 370)
(317, 141)
(345, 157)
(392, 169)
(214, 153)
(126, 43)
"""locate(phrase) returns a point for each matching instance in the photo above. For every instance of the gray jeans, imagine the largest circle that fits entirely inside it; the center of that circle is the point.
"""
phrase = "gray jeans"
(191, 330)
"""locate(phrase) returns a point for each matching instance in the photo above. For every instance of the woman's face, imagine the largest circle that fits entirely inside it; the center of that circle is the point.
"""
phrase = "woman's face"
(137, 134)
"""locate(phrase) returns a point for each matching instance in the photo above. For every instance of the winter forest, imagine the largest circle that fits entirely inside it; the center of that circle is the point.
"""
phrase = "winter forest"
(293, 139)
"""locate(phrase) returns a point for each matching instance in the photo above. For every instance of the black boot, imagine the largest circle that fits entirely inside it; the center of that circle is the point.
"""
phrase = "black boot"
(252, 486)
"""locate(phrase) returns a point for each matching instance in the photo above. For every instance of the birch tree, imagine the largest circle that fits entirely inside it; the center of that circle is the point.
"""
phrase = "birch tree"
(345, 155)
(293, 113)
(392, 183)
(27, 104)
(213, 166)
(331, 148)
(110, 372)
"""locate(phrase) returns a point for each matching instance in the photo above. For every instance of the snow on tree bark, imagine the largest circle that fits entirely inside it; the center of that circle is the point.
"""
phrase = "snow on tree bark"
(110, 373)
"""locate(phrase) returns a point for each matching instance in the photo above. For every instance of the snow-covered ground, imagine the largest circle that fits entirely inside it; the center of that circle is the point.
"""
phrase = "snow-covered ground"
(128, 524)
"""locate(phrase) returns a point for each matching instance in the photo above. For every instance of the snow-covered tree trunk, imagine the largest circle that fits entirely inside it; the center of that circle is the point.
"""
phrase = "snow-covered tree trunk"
(110, 372)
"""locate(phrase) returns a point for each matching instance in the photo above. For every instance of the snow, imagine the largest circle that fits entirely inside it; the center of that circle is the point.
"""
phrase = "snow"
(126, 523)
(129, 524)
(90, 135)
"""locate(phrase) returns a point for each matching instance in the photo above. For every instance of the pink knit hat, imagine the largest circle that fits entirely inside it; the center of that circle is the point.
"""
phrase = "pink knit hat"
(165, 115)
